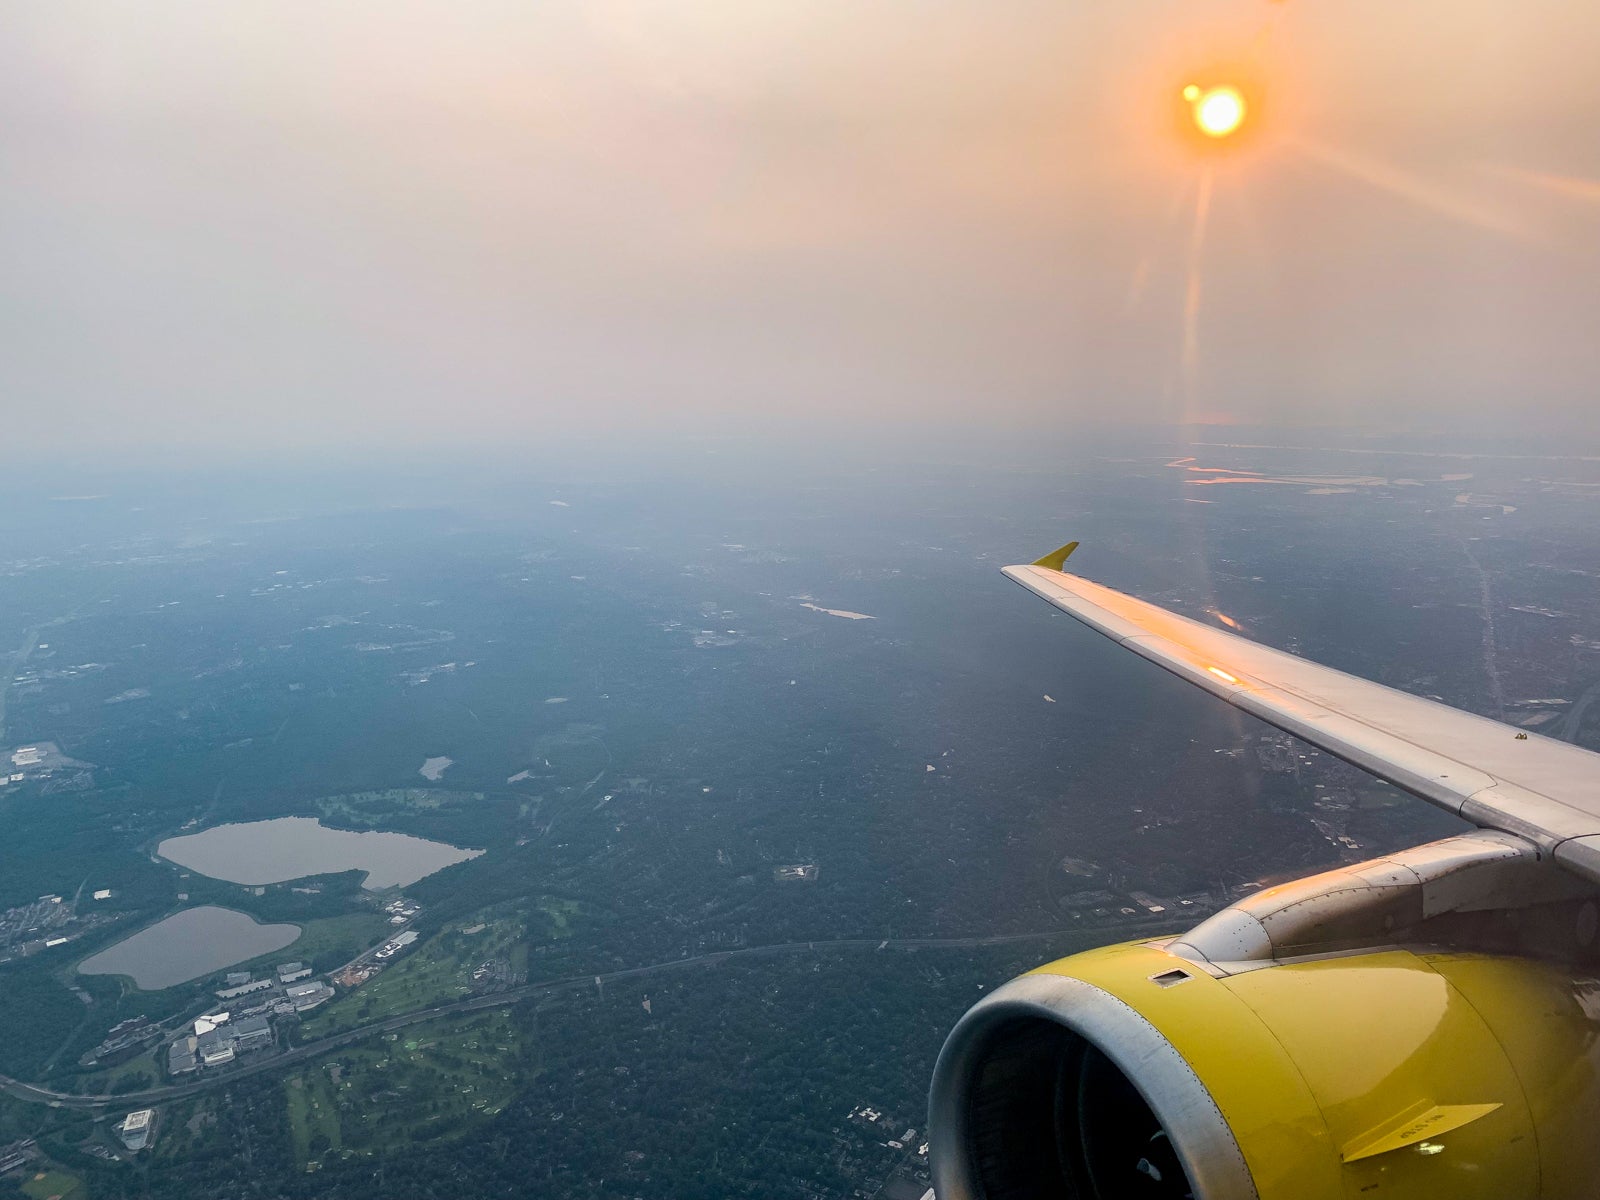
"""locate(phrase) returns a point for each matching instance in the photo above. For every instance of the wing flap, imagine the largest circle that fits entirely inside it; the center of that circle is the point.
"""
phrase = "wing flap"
(1477, 768)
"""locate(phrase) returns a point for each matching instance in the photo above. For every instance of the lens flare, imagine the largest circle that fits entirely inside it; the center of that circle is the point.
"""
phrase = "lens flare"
(1218, 111)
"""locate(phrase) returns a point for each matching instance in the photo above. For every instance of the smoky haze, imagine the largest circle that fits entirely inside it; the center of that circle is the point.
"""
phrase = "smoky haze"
(290, 224)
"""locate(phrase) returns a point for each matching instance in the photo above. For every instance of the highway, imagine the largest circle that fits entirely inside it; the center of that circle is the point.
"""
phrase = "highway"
(1574, 717)
(34, 1094)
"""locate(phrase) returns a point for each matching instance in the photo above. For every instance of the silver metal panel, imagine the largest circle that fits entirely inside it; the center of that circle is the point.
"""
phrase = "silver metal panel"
(1546, 822)
(1489, 773)
(1373, 901)
(1233, 935)
(1581, 855)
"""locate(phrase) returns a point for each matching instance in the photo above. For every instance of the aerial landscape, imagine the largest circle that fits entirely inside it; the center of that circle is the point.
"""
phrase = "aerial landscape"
(702, 924)
(512, 678)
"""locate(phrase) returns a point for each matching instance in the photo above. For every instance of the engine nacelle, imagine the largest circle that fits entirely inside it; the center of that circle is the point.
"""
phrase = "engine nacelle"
(1131, 1071)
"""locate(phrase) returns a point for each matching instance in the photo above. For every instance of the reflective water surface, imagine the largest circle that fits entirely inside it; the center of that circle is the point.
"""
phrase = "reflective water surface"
(293, 847)
(188, 944)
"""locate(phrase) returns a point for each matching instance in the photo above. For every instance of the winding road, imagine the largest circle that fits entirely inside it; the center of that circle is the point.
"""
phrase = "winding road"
(32, 1093)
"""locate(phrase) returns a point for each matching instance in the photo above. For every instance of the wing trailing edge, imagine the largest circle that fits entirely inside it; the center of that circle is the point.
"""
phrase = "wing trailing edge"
(1488, 773)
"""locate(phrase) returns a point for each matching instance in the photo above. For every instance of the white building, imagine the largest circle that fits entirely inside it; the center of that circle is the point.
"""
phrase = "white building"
(215, 1049)
(135, 1128)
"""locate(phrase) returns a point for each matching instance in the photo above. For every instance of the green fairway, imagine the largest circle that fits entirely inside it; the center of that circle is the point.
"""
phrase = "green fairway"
(403, 1090)
(313, 1116)
(438, 970)
(53, 1184)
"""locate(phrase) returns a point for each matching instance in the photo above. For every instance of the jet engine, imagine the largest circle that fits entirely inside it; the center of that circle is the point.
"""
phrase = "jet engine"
(1271, 1055)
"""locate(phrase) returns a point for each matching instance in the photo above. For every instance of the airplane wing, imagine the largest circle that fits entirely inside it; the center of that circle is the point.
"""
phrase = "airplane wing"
(1491, 774)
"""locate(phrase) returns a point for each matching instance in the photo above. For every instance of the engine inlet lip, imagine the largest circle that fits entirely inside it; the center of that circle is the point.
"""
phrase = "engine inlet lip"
(1205, 1144)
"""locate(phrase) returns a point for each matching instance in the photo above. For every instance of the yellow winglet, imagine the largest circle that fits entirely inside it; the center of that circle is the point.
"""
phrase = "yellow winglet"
(1412, 1126)
(1057, 559)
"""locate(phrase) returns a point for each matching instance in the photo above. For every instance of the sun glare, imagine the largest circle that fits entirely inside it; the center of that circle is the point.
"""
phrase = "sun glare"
(1218, 111)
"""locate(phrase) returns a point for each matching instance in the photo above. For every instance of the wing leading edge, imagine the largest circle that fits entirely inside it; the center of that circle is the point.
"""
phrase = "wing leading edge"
(1479, 769)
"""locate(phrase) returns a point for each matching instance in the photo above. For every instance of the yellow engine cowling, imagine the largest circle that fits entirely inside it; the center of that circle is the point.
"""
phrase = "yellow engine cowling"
(1385, 1075)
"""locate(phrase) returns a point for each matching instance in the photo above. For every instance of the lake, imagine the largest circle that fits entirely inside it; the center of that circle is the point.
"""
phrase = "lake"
(293, 847)
(187, 945)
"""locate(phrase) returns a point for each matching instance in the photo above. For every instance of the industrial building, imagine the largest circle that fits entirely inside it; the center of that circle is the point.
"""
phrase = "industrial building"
(183, 1056)
(395, 944)
(218, 1040)
(251, 1033)
(124, 1041)
(215, 1048)
(17, 1154)
(290, 972)
(306, 996)
(135, 1129)
(244, 989)
(401, 910)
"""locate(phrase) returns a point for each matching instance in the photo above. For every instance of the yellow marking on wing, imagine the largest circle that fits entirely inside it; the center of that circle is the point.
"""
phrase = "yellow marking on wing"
(1057, 559)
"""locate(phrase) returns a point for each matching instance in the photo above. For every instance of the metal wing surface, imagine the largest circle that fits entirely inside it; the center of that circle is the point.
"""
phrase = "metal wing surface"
(1488, 773)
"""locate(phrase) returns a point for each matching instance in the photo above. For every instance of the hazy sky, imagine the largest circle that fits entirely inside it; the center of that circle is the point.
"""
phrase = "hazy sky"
(264, 223)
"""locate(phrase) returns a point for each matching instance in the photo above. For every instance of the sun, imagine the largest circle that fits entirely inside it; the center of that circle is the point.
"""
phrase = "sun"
(1218, 111)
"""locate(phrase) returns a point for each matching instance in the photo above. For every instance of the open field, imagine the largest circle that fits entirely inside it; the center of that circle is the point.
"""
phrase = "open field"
(340, 938)
(54, 1184)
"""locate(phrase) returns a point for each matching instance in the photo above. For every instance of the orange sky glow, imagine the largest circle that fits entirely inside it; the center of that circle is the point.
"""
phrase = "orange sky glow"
(290, 221)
